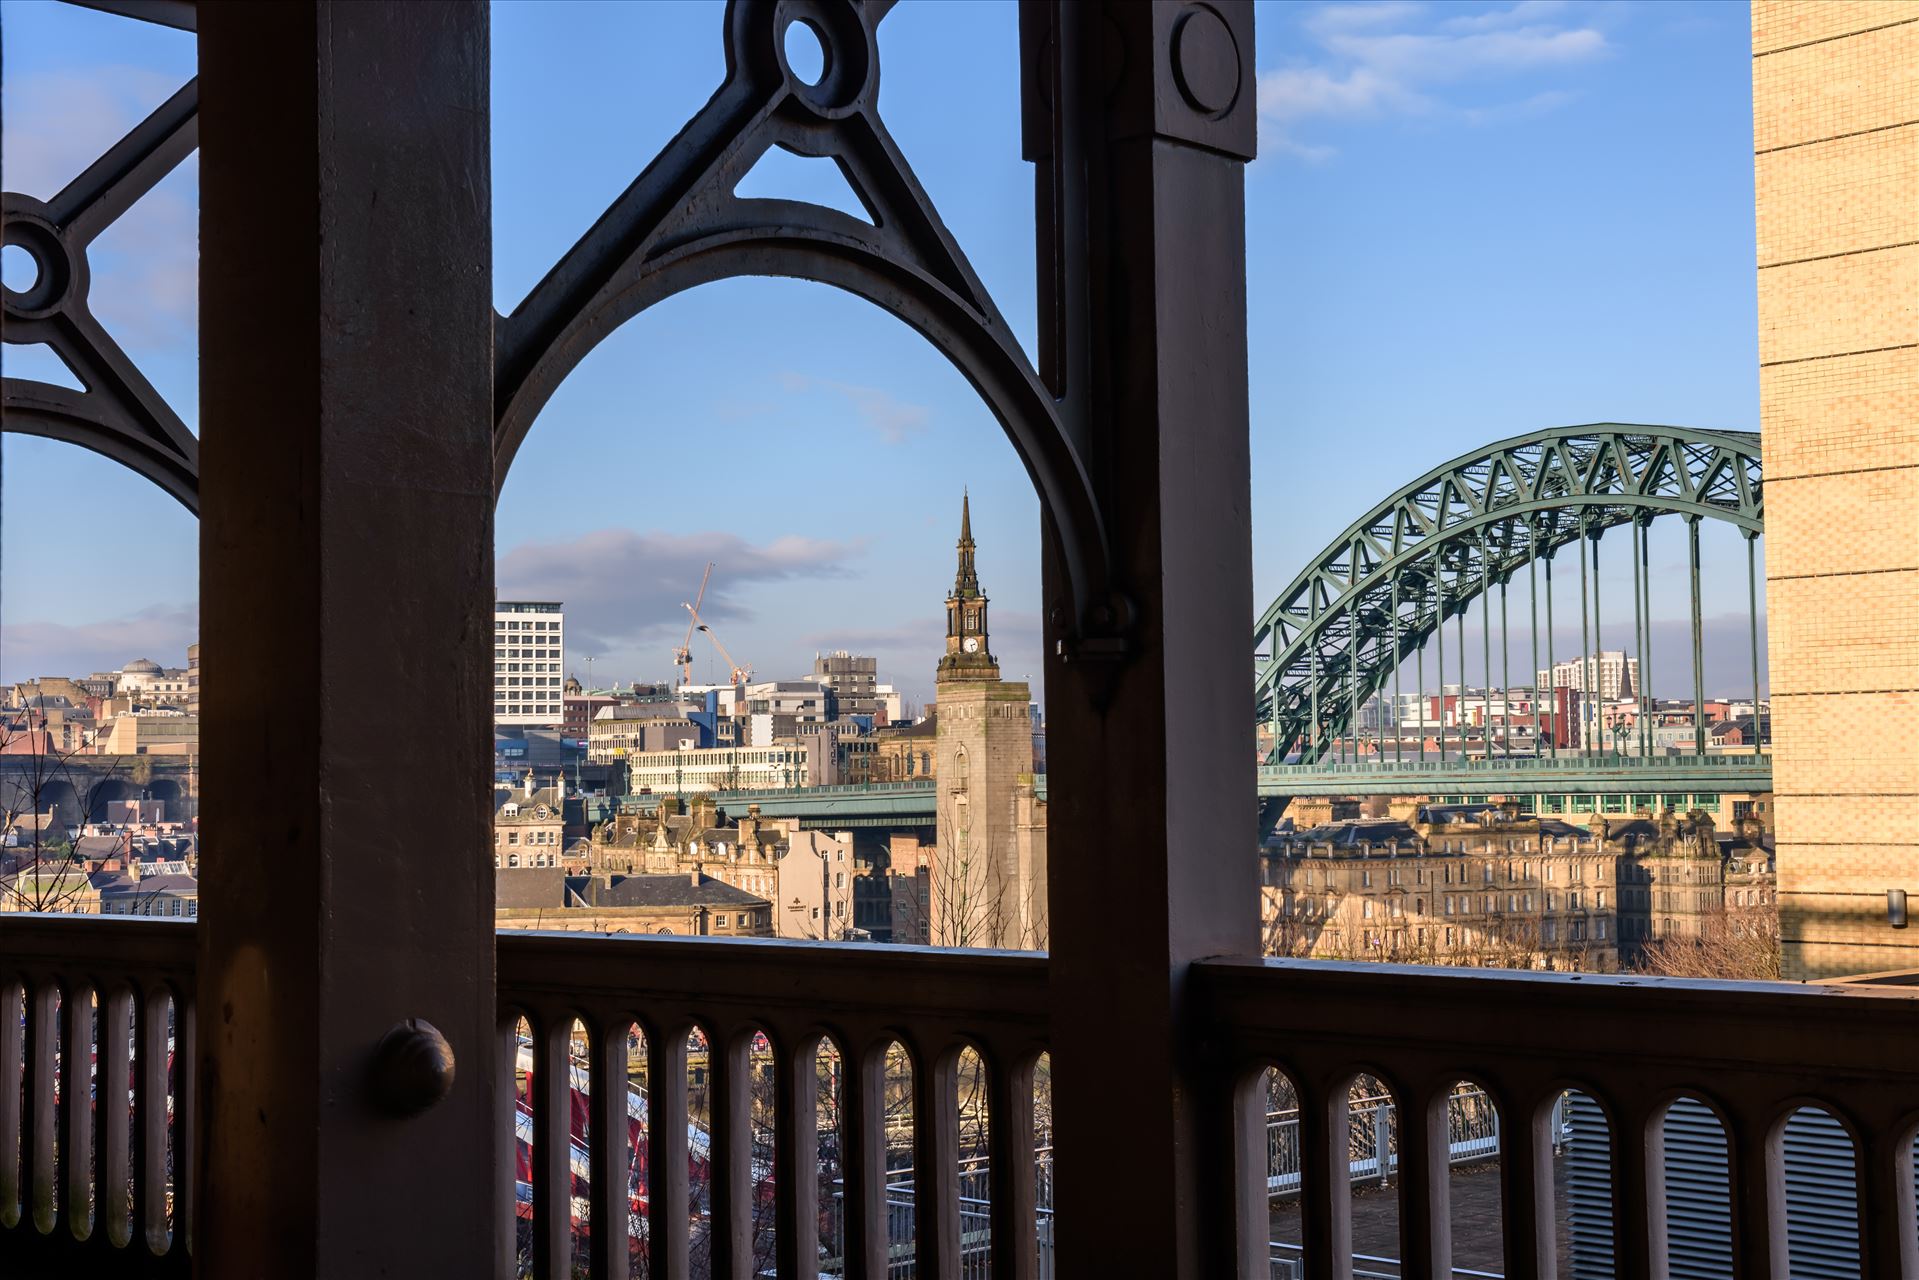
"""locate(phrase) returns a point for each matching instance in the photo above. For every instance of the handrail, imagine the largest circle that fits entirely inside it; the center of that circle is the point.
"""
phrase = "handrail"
(1754, 1053)
(935, 1004)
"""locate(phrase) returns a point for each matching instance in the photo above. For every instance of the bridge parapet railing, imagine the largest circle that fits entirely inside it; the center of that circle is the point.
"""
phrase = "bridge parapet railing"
(96, 1104)
(1543, 764)
(976, 1212)
(1755, 1055)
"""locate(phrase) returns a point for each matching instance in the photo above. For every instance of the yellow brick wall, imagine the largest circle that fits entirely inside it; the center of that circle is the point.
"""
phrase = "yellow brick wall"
(1836, 176)
(1787, 23)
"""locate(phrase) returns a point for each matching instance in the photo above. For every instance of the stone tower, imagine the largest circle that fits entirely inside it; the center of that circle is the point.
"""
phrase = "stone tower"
(989, 873)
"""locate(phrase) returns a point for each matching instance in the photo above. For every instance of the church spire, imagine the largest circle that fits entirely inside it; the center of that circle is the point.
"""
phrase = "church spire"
(966, 581)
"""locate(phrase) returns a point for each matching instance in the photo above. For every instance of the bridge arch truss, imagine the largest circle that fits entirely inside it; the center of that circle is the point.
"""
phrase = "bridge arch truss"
(1379, 592)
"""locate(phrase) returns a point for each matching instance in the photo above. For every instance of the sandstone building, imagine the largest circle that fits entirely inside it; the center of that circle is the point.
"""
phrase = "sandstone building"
(1487, 884)
(1836, 162)
(988, 873)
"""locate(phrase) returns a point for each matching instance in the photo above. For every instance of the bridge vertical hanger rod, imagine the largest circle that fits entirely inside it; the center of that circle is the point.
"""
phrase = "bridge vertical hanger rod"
(1532, 595)
(1585, 646)
(1639, 641)
(1552, 676)
(1486, 641)
(1601, 730)
(1399, 743)
(1698, 654)
(1752, 621)
(1419, 665)
(1352, 674)
(1459, 630)
(1313, 684)
(1505, 667)
(1645, 658)
(1439, 634)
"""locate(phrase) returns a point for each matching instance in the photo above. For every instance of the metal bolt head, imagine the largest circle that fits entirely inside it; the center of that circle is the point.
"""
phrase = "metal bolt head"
(412, 1069)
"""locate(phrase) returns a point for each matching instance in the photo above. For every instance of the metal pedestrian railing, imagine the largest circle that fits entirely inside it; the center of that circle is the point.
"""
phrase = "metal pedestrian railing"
(1472, 1134)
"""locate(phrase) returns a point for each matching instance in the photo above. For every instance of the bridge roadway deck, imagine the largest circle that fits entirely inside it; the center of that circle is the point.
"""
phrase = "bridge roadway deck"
(915, 803)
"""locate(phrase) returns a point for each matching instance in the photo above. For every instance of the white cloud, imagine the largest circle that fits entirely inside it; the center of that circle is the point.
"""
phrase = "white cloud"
(1392, 59)
(623, 589)
(51, 648)
(895, 420)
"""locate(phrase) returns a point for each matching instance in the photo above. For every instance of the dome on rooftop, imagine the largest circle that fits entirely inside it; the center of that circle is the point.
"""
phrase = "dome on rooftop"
(145, 666)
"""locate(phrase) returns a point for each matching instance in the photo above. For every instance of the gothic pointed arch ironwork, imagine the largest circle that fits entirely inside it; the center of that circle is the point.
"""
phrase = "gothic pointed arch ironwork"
(1376, 594)
(680, 224)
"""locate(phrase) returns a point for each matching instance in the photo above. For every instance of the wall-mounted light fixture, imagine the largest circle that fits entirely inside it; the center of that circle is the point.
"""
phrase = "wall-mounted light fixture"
(1896, 908)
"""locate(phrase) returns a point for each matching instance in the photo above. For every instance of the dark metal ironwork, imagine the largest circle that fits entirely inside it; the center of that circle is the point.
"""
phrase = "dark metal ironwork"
(680, 224)
(1559, 485)
(118, 414)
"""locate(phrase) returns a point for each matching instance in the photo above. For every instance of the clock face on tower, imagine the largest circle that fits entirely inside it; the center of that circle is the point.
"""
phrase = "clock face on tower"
(971, 644)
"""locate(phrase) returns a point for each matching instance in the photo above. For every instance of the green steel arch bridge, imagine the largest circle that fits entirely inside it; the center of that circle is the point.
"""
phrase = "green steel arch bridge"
(1452, 543)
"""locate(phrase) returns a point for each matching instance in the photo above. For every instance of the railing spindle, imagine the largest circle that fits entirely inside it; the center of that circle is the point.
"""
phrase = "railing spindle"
(1525, 1174)
(1010, 1121)
(863, 1163)
(12, 1041)
(113, 1095)
(666, 1154)
(506, 1048)
(730, 1181)
(1639, 1192)
(552, 1148)
(42, 1049)
(150, 1108)
(796, 1156)
(186, 1106)
(1325, 1203)
(1425, 1218)
(1758, 1199)
(936, 1196)
(1888, 1216)
(611, 1151)
(78, 1064)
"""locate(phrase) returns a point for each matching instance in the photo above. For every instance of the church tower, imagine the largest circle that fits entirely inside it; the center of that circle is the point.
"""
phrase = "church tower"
(989, 864)
(968, 656)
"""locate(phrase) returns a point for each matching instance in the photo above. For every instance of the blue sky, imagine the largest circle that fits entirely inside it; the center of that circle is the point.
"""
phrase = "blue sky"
(1467, 221)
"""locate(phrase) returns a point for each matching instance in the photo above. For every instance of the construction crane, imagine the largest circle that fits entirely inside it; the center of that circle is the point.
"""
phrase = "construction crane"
(684, 654)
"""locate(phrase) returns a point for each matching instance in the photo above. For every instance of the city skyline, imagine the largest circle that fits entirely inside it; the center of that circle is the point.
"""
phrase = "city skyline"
(824, 495)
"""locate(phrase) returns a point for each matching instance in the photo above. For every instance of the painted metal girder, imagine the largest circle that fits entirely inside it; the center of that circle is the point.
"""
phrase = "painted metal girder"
(1375, 595)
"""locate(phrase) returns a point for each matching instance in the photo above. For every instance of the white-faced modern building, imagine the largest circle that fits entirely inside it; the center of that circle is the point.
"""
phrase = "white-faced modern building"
(529, 662)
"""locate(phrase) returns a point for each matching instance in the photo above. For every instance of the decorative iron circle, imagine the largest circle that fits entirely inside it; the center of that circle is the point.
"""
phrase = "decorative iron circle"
(62, 274)
(845, 81)
(1206, 61)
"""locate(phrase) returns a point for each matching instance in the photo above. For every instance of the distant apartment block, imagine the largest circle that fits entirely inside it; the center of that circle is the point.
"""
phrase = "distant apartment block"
(1610, 675)
(852, 678)
(529, 662)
